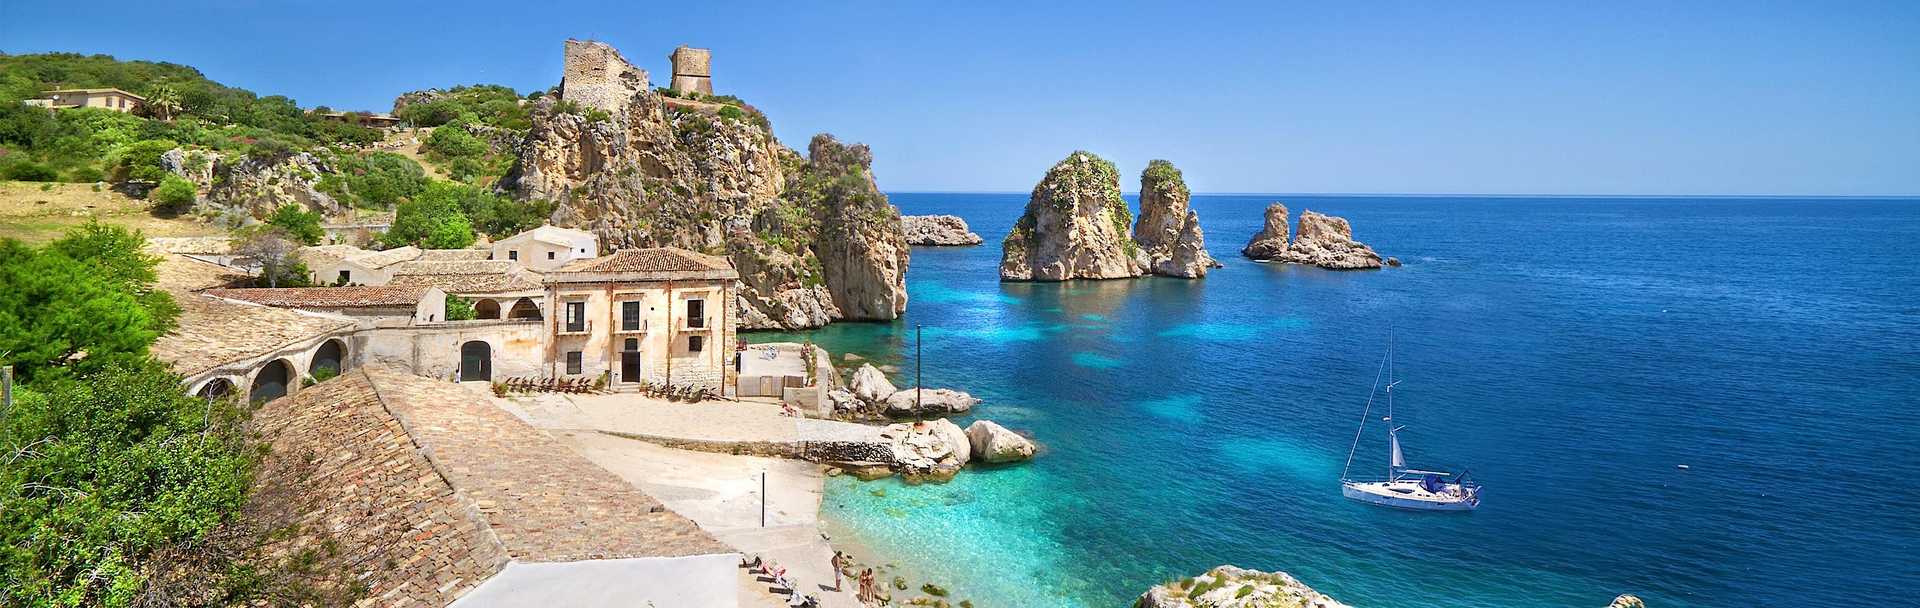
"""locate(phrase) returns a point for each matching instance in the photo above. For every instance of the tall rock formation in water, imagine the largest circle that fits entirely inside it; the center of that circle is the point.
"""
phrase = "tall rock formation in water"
(1168, 229)
(1075, 227)
(813, 238)
(1322, 240)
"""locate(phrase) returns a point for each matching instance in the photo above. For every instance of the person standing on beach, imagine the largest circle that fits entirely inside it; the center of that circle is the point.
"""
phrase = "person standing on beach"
(838, 562)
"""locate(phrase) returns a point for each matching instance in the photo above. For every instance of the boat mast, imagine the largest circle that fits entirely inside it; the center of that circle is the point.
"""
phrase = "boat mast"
(1364, 413)
(1393, 438)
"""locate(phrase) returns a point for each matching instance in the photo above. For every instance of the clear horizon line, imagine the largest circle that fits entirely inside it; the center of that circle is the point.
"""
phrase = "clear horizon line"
(1456, 194)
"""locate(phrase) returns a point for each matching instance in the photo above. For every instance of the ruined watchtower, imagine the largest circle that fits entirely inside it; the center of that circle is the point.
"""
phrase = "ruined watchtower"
(597, 76)
(692, 69)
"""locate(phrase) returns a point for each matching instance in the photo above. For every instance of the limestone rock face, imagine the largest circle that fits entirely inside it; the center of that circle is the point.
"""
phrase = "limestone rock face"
(937, 231)
(1322, 240)
(933, 402)
(193, 166)
(1075, 227)
(993, 443)
(1169, 229)
(928, 451)
(258, 186)
(1271, 241)
(870, 385)
(1233, 587)
(813, 238)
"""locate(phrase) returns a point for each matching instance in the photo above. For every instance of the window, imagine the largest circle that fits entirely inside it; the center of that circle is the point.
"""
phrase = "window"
(696, 313)
(549, 255)
(513, 255)
(633, 345)
(576, 316)
(629, 316)
(696, 343)
(573, 362)
(345, 277)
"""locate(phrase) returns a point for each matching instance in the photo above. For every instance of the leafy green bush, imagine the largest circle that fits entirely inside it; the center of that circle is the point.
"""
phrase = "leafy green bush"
(174, 194)
(140, 161)
(299, 223)
(459, 309)
(86, 173)
(101, 278)
(433, 219)
(25, 170)
(453, 141)
(487, 104)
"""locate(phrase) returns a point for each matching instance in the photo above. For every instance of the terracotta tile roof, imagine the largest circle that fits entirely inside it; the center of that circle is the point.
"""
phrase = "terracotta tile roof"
(658, 259)
(332, 253)
(203, 245)
(424, 267)
(328, 297)
(213, 332)
(543, 501)
(383, 259)
(182, 274)
(453, 255)
(518, 280)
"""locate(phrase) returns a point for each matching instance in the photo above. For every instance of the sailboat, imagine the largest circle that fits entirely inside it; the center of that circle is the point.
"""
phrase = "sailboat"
(1404, 487)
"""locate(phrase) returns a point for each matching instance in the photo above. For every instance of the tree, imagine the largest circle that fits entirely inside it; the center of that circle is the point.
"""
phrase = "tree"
(83, 303)
(458, 308)
(433, 220)
(162, 102)
(300, 224)
(174, 195)
(274, 253)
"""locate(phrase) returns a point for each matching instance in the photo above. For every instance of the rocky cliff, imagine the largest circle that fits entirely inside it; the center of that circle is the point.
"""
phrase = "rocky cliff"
(938, 231)
(813, 238)
(1169, 230)
(1232, 587)
(1322, 240)
(256, 186)
(1075, 227)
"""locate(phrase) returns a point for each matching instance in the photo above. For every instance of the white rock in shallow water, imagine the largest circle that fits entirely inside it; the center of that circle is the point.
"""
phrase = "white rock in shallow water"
(1232, 587)
(870, 385)
(956, 439)
(993, 443)
(932, 402)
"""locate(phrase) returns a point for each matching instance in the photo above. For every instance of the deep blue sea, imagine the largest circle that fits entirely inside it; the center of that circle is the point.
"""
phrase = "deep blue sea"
(1571, 351)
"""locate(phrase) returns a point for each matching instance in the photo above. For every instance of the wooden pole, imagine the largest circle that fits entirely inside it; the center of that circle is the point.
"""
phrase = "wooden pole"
(916, 368)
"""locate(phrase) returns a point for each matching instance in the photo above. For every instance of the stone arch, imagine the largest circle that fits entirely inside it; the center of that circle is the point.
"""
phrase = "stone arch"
(525, 309)
(273, 381)
(476, 361)
(331, 355)
(215, 388)
(486, 308)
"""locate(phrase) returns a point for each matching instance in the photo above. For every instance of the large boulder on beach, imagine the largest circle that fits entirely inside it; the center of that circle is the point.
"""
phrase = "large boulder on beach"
(871, 385)
(937, 231)
(928, 451)
(931, 403)
(1233, 587)
(993, 443)
(1169, 229)
(1322, 240)
(1075, 227)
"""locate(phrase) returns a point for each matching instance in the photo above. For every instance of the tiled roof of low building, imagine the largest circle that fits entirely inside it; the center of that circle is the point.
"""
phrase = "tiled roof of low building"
(447, 267)
(328, 297)
(383, 259)
(657, 259)
(212, 332)
(512, 281)
(202, 245)
(427, 490)
(453, 255)
(181, 274)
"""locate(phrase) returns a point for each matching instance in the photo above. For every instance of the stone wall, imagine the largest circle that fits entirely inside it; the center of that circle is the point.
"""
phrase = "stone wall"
(518, 347)
(692, 69)
(596, 76)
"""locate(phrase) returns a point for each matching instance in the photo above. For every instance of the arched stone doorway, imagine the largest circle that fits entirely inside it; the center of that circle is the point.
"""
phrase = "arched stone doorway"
(328, 360)
(215, 389)
(486, 309)
(476, 361)
(273, 381)
(525, 310)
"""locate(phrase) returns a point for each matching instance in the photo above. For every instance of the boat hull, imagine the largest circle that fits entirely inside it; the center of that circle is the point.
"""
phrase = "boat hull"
(1408, 495)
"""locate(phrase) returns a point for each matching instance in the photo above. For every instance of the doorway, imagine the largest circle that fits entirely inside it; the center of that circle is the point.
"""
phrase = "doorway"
(630, 361)
(476, 361)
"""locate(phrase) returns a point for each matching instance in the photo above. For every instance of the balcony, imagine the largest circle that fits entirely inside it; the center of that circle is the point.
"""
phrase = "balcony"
(575, 329)
(695, 325)
(624, 329)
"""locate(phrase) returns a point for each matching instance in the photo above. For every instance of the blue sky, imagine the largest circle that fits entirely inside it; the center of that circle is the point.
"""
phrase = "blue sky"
(1428, 97)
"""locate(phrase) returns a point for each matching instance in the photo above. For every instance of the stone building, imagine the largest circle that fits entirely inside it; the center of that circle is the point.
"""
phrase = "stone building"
(644, 315)
(110, 99)
(547, 247)
(596, 76)
(692, 70)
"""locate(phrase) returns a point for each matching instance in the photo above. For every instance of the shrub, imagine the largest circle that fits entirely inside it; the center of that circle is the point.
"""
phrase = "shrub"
(140, 161)
(454, 141)
(174, 194)
(300, 224)
(459, 309)
(21, 169)
(85, 174)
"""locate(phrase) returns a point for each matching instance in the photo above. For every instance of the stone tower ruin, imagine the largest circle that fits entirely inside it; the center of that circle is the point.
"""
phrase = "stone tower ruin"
(692, 69)
(596, 76)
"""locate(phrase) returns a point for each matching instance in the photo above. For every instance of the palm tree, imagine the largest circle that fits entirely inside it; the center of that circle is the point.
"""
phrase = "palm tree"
(163, 101)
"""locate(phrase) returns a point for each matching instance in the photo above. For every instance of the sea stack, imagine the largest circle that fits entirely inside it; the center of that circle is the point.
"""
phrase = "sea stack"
(938, 231)
(1169, 230)
(1322, 240)
(1075, 227)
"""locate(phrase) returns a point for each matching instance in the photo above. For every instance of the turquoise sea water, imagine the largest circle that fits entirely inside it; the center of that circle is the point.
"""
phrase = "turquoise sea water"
(1570, 351)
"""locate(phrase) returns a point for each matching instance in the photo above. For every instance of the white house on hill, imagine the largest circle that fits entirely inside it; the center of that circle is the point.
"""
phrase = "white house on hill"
(547, 247)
